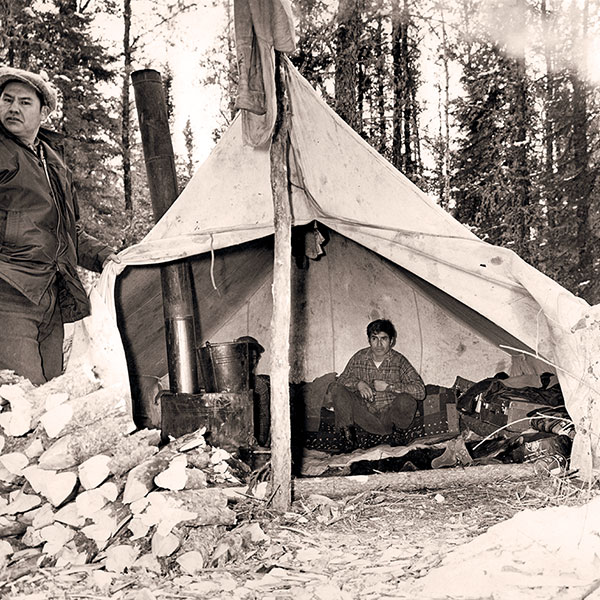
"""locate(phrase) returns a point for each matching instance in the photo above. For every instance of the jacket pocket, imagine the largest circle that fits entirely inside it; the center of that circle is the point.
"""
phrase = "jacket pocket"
(10, 227)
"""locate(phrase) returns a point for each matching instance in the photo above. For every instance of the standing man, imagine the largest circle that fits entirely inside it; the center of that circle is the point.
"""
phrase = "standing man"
(378, 389)
(41, 242)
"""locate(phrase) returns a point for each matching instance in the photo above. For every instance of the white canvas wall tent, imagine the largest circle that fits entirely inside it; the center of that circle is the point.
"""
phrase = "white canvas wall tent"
(461, 306)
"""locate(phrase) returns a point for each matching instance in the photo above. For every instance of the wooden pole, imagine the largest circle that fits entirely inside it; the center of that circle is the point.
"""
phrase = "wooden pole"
(281, 454)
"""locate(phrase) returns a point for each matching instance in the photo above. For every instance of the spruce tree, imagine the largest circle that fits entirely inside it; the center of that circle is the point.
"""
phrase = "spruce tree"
(494, 162)
(55, 38)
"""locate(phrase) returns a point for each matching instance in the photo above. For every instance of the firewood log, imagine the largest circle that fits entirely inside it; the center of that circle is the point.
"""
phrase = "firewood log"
(163, 512)
(54, 421)
(90, 502)
(14, 462)
(74, 382)
(74, 448)
(106, 523)
(121, 557)
(69, 555)
(20, 502)
(17, 422)
(44, 516)
(55, 537)
(195, 479)
(36, 477)
(209, 504)
(164, 545)
(140, 479)
(34, 448)
(55, 487)
(56, 399)
(139, 529)
(132, 450)
(32, 538)
(198, 458)
(69, 515)
(9, 526)
(7, 478)
(191, 562)
(202, 540)
(84, 411)
(29, 402)
(60, 487)
(174, 476)
(93, 471)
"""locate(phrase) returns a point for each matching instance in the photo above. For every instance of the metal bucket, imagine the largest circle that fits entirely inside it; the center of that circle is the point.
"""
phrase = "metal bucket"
(225, 367)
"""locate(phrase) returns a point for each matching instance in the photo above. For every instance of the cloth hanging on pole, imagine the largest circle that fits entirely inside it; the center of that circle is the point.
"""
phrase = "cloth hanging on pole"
(261, 27)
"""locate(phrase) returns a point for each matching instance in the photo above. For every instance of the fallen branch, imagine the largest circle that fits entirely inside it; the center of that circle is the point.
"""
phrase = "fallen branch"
(340, 487)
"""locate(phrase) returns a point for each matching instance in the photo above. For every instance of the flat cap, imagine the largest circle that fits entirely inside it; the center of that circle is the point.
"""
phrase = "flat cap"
(37, 82)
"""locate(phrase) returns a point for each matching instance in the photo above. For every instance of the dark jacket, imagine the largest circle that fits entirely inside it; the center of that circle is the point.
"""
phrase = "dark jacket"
(40, 238)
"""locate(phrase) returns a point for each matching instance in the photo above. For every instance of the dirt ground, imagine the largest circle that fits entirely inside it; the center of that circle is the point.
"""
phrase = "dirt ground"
(365, 546)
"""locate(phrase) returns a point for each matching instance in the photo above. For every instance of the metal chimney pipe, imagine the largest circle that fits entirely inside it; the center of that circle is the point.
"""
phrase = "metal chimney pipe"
(178, 305)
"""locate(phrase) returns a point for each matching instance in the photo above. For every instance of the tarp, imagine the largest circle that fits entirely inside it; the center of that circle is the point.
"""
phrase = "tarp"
(338, 180)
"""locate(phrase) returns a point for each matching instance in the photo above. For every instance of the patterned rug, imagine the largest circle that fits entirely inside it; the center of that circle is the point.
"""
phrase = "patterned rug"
(435, 415)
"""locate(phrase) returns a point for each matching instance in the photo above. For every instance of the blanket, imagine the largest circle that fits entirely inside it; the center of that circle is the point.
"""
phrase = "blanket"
(314, 416)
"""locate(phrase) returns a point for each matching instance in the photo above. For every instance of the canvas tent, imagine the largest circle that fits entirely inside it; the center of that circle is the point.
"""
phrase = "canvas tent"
(461, 306)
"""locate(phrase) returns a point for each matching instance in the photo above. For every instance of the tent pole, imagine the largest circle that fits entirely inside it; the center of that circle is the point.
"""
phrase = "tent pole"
(281, 454)
(178, 306)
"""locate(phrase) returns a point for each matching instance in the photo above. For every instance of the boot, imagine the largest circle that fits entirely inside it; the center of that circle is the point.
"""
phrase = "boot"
(456, 453)
(447, 459)
(348, 438)
(397, 438)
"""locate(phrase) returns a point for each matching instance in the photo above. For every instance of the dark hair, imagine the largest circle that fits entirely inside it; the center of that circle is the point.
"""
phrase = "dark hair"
(252, 341)
(381, 326)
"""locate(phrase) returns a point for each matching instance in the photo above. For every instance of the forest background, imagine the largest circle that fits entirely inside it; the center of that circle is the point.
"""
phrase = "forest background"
(490, 106)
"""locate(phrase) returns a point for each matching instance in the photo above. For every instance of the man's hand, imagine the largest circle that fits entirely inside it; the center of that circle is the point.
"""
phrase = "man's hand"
(364, 390)
(380, 385)
(111, 258)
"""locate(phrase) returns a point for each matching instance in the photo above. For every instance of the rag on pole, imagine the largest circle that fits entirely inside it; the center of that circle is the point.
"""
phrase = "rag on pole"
(263, 30)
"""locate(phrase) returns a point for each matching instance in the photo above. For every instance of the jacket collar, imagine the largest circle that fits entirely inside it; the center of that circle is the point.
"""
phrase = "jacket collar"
(54, 139)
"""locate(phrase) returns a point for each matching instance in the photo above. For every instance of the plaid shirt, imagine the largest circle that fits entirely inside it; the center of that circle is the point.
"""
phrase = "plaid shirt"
(395, 370)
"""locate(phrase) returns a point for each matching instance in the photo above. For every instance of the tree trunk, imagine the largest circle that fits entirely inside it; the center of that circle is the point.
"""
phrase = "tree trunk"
(397, 86)
(445, 195)
(581, 163)
(407, 159)
(520, 216)
(548, 99)
(346, 71)
(404, 115)
(380, 75)
(126, 108)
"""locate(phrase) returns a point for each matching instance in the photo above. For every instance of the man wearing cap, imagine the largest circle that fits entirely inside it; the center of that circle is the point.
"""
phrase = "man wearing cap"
(41, 242)
(261, 384)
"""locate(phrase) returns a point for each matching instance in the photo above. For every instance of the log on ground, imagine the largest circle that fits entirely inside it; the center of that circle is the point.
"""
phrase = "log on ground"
(340, 487)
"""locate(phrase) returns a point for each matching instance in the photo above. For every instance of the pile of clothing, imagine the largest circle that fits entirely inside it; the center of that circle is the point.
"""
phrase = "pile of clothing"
(517, 419)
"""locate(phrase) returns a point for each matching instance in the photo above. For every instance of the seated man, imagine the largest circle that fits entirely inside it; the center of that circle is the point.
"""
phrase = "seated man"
(261, 384)
(378, 389)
